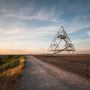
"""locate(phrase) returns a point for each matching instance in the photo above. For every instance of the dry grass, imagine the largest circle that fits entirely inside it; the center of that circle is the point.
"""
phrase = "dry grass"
(10, 79)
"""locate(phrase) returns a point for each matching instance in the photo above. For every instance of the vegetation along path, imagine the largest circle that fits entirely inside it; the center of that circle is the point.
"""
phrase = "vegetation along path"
(39, 75)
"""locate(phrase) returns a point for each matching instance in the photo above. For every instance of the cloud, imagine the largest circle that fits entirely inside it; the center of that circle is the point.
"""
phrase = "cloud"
(17, 32)
(88, 33)
(23, 38)
(35, 38)
(83, 51)
(76, 24)
(31, 14)
(23, 51)
(21, 32)
(78, 41)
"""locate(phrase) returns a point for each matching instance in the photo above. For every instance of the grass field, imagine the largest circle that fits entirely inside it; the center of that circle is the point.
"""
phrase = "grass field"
(10, 71)
(78, 64)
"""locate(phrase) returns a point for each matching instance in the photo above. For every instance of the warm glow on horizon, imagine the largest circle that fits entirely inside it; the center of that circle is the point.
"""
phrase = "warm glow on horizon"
(29, 26)
(38, 51)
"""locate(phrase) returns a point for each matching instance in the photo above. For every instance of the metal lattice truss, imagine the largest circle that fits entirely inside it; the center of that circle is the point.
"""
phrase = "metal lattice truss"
(55, 44)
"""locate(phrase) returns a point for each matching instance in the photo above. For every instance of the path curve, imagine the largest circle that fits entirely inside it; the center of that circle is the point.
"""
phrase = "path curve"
(39, 75)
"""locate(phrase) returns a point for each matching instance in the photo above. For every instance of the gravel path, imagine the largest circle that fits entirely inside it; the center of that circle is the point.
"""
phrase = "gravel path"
(39, 75)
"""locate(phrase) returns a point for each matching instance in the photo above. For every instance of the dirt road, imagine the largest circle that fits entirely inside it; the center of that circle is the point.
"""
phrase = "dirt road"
(39, 75)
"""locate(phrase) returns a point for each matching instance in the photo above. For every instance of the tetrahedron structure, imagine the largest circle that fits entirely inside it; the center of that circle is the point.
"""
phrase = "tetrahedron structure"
(67, 45)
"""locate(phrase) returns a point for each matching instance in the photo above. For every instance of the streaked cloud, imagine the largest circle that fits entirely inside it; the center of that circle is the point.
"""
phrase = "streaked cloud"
(33, 25)
(29, 13)
(88, 33)
(76, 24)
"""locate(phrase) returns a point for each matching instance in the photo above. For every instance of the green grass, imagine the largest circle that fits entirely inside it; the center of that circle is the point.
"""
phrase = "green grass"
(8, 62)
(9, 65)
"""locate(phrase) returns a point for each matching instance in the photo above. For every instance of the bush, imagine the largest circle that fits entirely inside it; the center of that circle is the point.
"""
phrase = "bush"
(8, 65)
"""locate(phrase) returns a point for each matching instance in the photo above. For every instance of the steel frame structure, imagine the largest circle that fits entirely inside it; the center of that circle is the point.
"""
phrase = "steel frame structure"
(55, 44)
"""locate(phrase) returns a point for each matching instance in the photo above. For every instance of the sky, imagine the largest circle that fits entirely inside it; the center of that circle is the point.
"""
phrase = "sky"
(29, 26)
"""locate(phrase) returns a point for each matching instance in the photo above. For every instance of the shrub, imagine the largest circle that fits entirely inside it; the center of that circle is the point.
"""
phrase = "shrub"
(8, 65)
